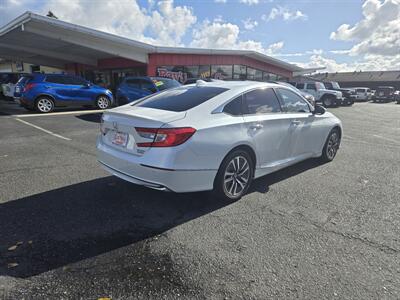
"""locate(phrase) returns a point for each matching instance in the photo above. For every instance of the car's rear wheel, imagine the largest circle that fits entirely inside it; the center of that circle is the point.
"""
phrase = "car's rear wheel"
(331, 146)
(44, 105)
(234, 176)
(103, 102)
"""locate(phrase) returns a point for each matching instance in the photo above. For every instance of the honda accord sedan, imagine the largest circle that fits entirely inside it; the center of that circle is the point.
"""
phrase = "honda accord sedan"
(214, 136)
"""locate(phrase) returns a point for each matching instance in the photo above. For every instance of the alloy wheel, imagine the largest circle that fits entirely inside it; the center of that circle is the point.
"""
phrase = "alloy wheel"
(236, 176)
(333, 145)
(103, 102)
(44, 105)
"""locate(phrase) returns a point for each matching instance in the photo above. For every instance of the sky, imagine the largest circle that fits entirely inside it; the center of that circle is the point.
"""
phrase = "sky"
(341, 35)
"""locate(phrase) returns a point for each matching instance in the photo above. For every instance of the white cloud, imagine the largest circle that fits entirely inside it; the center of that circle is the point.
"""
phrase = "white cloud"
(377, 33)
(249, 2)
(166, 23)
(284, 13)
(376, 36)
(215, 35)
(274, 48)
(249, 24)
(220, 1)
(170, 23)
(219, 35)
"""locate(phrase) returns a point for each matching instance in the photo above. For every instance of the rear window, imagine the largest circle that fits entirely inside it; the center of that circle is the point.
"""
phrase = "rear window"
(181, 99)
(24, 80)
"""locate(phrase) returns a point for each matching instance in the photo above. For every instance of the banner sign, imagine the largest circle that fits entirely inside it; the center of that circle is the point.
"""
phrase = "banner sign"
(178, 76)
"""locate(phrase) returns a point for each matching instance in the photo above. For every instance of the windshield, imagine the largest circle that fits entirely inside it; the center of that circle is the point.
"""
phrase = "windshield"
(164, 84)
(180, 99)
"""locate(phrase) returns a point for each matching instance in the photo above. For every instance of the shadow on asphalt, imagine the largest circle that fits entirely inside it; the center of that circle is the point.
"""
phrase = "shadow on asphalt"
(90, 117)
(83, 220)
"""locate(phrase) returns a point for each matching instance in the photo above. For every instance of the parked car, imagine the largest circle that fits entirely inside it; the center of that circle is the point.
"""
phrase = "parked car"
(134, 88)
(363, 93)
(349, 94)
(328, 98)
(310, 98)
(7, 84)
(397, 96)
(384, 94)
(44, 92)
(214, 136)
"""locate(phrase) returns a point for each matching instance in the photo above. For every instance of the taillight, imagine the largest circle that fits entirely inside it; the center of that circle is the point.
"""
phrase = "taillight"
(164, 137)
(29, 86)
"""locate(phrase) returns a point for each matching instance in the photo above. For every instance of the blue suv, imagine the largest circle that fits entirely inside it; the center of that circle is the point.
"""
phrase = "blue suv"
(44, 92)
(134, 88)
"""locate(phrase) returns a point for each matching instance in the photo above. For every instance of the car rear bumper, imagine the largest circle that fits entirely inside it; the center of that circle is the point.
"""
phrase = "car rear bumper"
(131, 168)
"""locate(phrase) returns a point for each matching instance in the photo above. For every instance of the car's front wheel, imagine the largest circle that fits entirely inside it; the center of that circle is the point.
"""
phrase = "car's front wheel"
(328, 101)
(331, 146)
(234, 175)
(103, 102)
(44, 105)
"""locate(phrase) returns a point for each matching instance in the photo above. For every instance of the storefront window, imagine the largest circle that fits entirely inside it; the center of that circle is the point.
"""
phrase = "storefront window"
(204, 71)
(174, 72)
(269, 76)
(259, 75)
(251, 73)
(221, 71)
(239, 72)
(191, 71)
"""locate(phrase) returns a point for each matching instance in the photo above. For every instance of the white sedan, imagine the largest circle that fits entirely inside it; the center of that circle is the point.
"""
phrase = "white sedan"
(214, 136)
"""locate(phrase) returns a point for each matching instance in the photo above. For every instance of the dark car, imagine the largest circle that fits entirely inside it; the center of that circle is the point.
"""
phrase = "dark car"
(44, 92)
(349, 95)
(134, 88)
(384, 94)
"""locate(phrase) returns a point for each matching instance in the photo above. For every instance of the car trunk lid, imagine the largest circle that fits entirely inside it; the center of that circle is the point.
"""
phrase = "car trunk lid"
(119, 126)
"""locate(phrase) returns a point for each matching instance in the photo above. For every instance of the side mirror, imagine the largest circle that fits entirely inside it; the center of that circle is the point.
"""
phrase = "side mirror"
(87, 85)
(319, 110)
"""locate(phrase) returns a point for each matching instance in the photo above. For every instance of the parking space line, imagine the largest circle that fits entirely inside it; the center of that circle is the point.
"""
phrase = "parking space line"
(385, 138)
(75, 112)
(44, 130)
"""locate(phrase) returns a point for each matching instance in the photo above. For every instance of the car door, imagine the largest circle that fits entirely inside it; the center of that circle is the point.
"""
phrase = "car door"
(82, 90)
(132, 89)
(307, 129)
(267, 126)
(69, 90)
(56, 86)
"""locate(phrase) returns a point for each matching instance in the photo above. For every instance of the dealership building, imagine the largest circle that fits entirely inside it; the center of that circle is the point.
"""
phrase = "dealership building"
(105, 58)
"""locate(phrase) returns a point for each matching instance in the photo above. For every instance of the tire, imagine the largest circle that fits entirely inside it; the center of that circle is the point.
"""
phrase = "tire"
(103, 102)
(44, 105)
(231, 181)
(331, 145)
(328, 101)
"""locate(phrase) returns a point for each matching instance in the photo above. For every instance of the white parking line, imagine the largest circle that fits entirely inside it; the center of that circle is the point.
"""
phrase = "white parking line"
(44, 130)
(75, 112)
(385, 138)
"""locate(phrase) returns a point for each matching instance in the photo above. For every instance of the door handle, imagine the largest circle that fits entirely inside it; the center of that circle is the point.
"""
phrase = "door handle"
(296, 122)
(256, 126)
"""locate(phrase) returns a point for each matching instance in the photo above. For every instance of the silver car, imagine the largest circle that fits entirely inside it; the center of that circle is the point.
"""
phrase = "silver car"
(214, 136)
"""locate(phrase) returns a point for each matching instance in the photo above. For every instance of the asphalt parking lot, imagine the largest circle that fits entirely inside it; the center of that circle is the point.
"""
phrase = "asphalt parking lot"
(311, 231)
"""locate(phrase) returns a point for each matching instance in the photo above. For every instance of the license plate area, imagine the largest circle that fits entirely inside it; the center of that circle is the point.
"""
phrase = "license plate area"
(119, 138)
